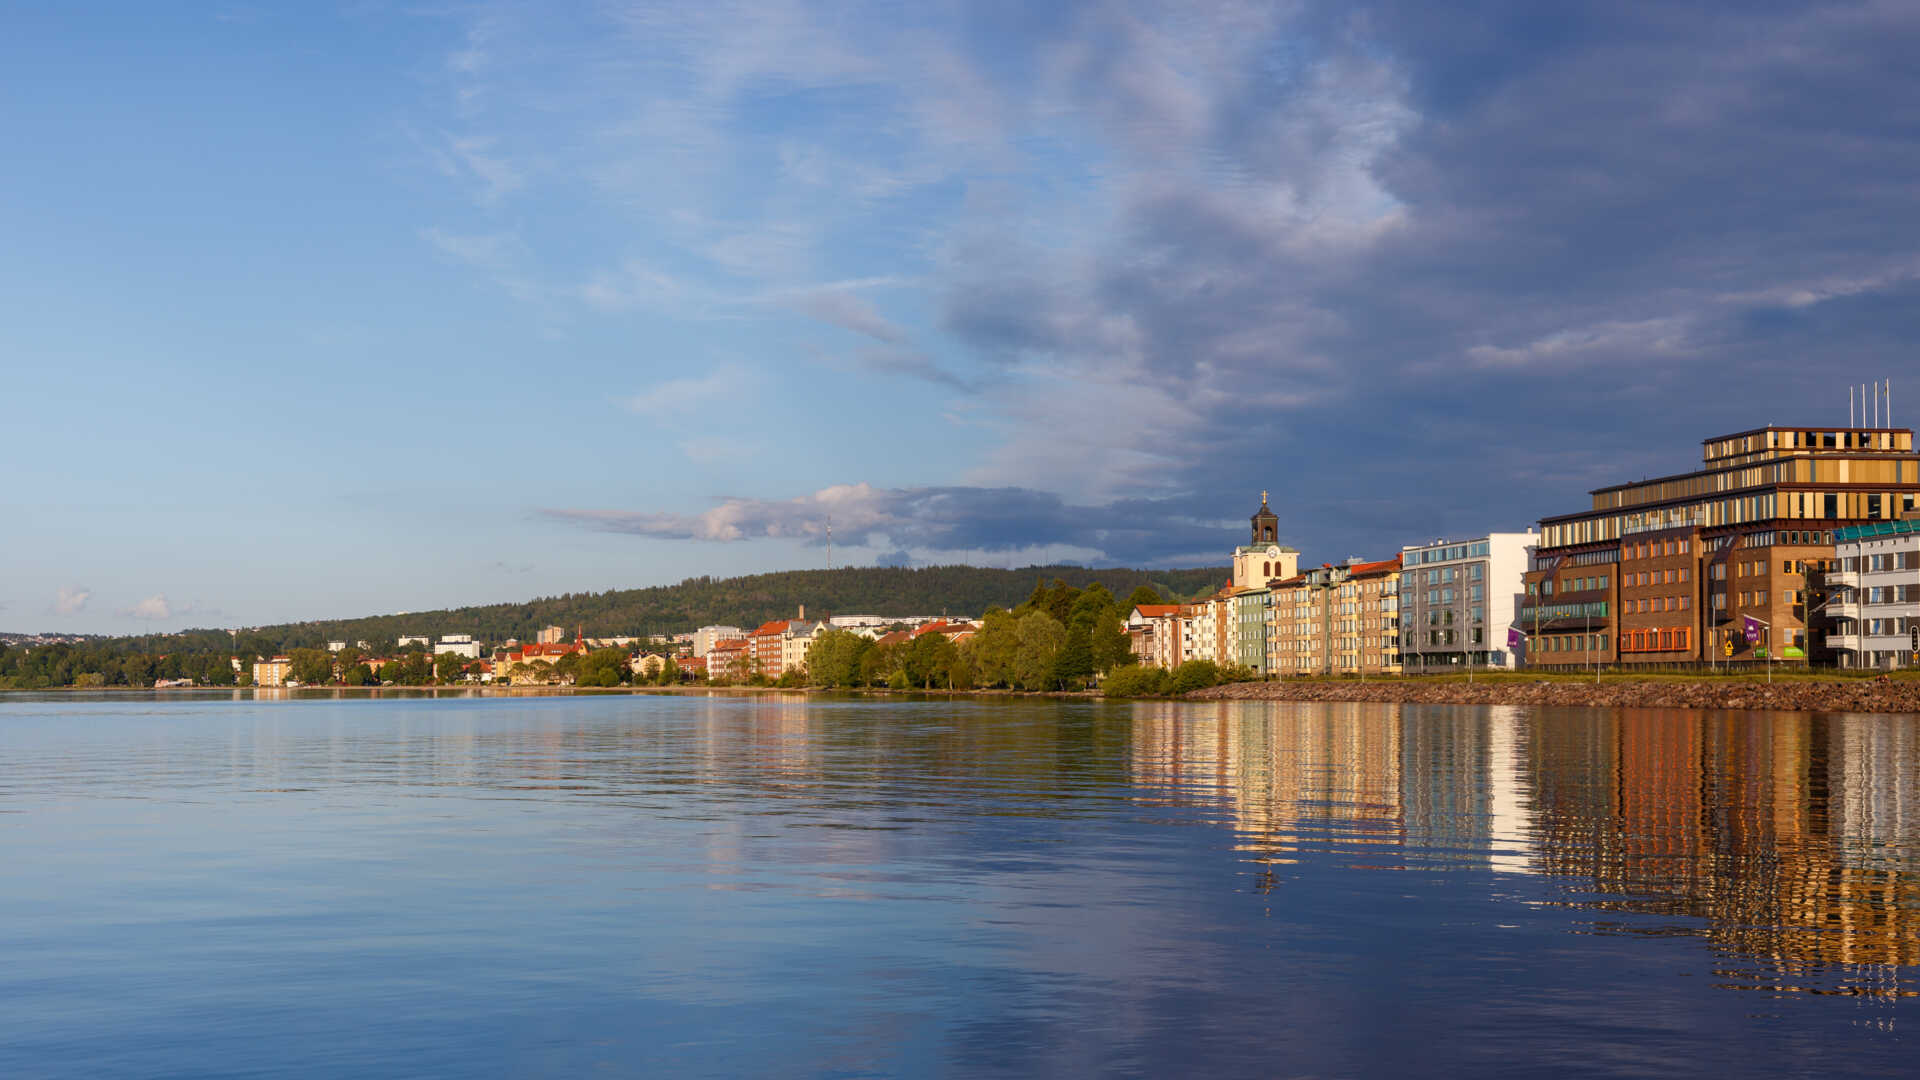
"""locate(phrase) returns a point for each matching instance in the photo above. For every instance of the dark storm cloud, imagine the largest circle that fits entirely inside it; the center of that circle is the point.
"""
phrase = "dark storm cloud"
(929, 521)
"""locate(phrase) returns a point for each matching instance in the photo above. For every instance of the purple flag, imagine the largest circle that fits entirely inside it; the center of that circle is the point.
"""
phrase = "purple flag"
(1513, 637)
(1750, 626)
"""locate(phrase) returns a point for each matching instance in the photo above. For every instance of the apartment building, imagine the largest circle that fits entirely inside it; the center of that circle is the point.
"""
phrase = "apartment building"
(1336, 620)
(272, 672)
(704, 637)
(1669, 570)
(1874, 595)
(1250, 628)
(1457, 599)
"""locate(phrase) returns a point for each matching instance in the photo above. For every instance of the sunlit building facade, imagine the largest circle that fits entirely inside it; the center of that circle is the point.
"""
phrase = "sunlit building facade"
(1673, 570)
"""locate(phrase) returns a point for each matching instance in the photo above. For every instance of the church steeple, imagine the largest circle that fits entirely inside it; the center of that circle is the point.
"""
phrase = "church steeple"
(1266, 524)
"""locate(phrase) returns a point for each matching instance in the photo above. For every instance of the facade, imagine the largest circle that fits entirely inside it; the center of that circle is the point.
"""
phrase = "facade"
(1264, 559)
(729, 658)
(1153, 633)
(459, 645)
(1250, 628)
(1457, 599)
(417, 639)
(1670, 570)
(1874, 600)
(549, 635)
(795, 642)
(272, 672)
(764, 654)
(1336, 620)
(704, 637)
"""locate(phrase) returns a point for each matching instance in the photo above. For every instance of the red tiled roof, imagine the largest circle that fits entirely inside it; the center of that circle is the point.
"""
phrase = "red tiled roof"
(778, 626)
(1154, 611)
(893, 638)
(1370, 568)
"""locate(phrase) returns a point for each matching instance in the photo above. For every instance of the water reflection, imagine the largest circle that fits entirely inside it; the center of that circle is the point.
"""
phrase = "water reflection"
(1786, 841)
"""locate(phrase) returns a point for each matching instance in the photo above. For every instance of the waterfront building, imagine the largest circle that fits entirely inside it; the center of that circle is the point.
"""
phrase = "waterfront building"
(1676, 569)
(272, 672)
(704, 637)
(1874, 595)
(1250, 628)
(729, 658)
(765, 649)
(1153, 633)
(1336, 620)
(1457, 599)
(459, 645)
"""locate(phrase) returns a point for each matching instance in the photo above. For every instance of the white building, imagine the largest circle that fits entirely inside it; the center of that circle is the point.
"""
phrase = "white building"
(1458, 598)
(336, 646)
(1875, 604)
(457, 644)
(704, 637)
(421, 640)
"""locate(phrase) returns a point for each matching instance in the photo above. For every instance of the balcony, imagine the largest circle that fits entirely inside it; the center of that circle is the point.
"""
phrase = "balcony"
(1846, 579)
(1844, 609)
(1845, 642)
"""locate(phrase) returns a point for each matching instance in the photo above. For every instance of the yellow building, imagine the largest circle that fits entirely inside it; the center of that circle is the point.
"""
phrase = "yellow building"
(272, 672)
(1336, 620)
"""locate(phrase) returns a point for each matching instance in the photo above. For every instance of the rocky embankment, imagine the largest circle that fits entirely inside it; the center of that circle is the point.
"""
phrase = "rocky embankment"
(1839, 695)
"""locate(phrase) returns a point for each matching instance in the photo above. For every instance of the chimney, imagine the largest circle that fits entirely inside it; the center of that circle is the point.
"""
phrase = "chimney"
(803, 613)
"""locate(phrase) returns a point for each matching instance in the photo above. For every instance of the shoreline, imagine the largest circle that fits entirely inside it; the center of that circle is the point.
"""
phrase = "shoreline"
(1797, 694)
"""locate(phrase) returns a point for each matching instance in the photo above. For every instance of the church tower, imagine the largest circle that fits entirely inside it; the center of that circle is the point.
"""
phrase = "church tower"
(1266, 559)
(1266, 524)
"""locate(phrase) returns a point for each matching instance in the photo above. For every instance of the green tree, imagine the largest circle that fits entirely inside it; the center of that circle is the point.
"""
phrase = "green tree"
(1040, 638)
(311, 666)
(1192, 675)
(1134, 680)
(1144, 595)
(834, 658)
(603, 667)
(448, 667)
(359, 675)
(993, 649)
(1073, 667)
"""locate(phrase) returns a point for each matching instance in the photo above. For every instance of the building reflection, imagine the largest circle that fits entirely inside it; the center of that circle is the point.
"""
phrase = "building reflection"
(1790, 843)
(1792, 837)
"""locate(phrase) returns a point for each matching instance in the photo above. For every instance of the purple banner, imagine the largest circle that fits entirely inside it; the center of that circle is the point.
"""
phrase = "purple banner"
(1750, 626)
(1513, 638)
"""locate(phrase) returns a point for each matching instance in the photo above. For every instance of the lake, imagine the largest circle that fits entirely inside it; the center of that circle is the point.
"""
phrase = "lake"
(218, 886)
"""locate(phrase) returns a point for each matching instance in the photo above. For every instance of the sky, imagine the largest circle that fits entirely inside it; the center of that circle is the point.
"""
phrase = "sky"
(314, 311)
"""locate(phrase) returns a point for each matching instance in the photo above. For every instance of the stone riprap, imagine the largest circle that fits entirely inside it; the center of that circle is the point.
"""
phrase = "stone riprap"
(1800, 695)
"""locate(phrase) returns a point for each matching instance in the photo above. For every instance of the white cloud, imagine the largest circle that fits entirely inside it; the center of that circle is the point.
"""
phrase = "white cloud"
(676, 397)
(71, 599)
(153, 607)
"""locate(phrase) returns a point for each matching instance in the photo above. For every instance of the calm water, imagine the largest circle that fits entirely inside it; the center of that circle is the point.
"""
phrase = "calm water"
(741, 886)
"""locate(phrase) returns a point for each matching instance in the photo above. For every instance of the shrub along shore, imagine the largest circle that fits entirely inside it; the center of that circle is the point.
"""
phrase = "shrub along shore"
(1798, 692)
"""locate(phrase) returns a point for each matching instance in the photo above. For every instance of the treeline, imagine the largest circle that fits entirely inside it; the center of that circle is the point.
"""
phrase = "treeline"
(746, 602)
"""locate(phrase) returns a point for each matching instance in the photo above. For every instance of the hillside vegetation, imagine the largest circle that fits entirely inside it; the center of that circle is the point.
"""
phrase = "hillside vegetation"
(749, 601)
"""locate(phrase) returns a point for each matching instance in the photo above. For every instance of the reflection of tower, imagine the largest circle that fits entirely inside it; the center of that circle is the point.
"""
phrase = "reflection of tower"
(1266, 523)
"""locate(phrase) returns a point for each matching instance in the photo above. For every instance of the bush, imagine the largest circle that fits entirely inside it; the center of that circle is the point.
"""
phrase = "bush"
(899, 681)
(1193, 675)
(1134, 680)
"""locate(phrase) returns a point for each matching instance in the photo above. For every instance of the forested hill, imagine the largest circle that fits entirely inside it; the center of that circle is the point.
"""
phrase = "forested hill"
(749, 601)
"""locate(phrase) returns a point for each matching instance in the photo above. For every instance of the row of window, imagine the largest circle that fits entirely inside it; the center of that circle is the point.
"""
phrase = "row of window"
(1564, 643)
(1754, 598)
(1890, 594)
(1654, 549)
(1892, 560)
(1472, 572)
(1448, 554)
(1671, 576)
(1670, 639)
(1884, 627)
(1475, 636)
(1647, 604)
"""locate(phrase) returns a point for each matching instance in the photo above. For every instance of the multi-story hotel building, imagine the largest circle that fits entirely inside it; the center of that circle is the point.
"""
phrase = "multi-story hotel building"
(1875, 595)
(1336, 620)
(1457, 599)
(1669, 570)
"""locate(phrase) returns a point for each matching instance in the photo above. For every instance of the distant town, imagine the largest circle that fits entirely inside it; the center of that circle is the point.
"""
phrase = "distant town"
(1788, 546)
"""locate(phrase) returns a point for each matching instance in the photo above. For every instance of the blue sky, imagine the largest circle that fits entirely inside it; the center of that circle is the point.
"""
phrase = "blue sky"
(312, 311)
